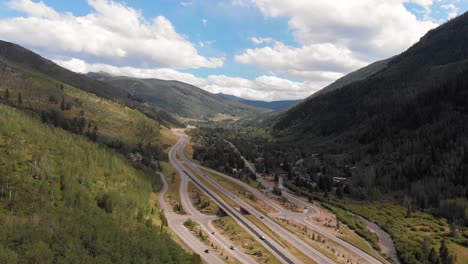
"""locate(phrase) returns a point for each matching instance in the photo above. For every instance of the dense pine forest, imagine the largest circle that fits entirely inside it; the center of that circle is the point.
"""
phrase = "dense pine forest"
(78, 177)
(65, 199)
(213, 151)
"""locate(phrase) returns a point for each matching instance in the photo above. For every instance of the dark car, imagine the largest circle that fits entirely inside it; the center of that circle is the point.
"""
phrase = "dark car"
(207, 251)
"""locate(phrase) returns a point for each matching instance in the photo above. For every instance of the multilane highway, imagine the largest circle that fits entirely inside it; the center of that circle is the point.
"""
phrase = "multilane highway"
(254, 231)
(176, 223)
(190, 171)
(280, 252)
(301, 218)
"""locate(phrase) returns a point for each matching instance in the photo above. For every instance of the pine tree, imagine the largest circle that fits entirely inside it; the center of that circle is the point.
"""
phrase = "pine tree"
(339, 192)
(444, 253)
(426, 247)
(94, 133)
(20, 99)
(63, 104)
(7, 95)
(433, 257)
(408, 210)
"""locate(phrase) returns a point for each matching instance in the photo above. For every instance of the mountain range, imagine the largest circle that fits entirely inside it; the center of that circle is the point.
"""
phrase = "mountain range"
(181, 99)
(272, 105)
(404, 126)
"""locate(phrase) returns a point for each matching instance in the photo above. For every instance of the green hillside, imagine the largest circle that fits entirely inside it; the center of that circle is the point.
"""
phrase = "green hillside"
(27, 59)
(65, 199)
(355, 76)
(181, 99)
(77, 111)
(401, 129)
(72, 190)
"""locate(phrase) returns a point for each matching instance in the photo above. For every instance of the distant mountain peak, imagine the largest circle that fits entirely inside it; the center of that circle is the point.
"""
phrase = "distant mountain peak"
(179, 98)
(272, 105)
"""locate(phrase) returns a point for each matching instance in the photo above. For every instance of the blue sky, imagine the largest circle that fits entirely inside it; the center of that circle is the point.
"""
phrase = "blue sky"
(258, 49)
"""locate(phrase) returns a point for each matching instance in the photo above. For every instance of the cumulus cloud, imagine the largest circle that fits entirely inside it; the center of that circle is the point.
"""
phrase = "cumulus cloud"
(264, 87)
(316, 61)
(332, 38)
(452, 10)
(261, 40)
(97, 34)
(336, 36)
(34, 9)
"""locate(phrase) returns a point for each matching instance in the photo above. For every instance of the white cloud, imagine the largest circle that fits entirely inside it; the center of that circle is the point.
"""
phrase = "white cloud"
(81, 66)
(452, 10)
(308, 62)
(34, 9)
(268, 88)
(425, 4)
(186, 4)
(262, 88)
(336, 37)
(204, 21)
(113, 31)
(261, 40)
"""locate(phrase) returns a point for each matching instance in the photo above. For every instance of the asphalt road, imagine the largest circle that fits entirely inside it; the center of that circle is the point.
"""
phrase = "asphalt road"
(176, 224)
(274, 247)
(202, 219)
(301, 218)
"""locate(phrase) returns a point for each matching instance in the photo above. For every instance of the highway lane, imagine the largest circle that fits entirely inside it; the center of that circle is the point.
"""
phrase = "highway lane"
(311, 210)
(280, 253)
(291, 238)
(175, 223)
(202, 219)
(301, 218)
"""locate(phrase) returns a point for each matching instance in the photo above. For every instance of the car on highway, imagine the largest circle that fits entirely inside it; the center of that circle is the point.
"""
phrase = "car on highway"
(261, 217)
(262, 237)
(207, 251)
(232, 247)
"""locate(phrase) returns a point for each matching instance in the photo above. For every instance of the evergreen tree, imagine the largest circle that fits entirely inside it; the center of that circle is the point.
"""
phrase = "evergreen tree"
(20, 99)
(7, 95)
(426, 248)
(444, 253)
(94, 134)
(339, 192)
(433, 256)
(63, 104)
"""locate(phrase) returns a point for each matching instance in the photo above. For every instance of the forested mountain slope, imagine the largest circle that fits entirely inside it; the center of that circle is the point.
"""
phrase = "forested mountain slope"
(79, 112)
(65, 199)
(181, 99)
(403, 128)
(77, 175)
(355, 76)
(273, 105)
(26, 59)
